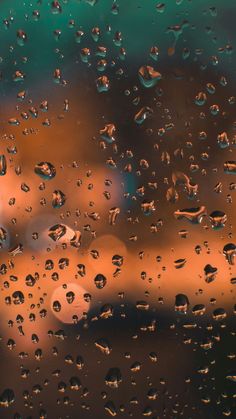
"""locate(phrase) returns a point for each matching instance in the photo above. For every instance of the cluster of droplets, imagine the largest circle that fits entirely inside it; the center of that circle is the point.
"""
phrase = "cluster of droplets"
(110, 329)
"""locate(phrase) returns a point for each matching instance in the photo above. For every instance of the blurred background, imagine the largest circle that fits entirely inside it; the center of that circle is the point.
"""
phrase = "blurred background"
(117, 209)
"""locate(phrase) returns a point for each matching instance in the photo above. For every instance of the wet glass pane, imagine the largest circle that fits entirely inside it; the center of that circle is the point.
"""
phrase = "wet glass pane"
(117, 206)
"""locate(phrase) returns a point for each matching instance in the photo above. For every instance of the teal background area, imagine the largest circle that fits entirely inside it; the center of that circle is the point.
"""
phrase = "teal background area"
(141, 26)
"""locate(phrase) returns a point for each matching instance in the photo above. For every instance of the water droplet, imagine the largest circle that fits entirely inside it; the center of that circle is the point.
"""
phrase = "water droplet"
(45, 170)
(148, 76)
